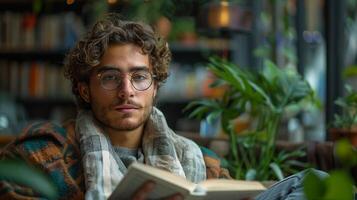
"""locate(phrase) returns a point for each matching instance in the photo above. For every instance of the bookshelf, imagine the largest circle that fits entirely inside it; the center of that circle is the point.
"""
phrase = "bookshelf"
(42, 7)
(34, 38)
(32, 54)
(33, 46)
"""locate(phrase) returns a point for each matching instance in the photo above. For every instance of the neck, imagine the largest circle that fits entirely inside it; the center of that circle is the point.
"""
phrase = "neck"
(129, 139)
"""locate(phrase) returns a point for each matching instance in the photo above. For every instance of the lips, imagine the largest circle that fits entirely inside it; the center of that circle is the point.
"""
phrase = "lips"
(126, 107)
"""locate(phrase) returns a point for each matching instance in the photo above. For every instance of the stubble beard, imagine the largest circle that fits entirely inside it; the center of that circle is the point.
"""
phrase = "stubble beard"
(123, 121)
(123, 125)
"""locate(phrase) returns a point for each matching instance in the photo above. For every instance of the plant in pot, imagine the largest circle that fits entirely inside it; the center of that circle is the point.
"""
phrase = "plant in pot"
(265, 95)
(345, 124)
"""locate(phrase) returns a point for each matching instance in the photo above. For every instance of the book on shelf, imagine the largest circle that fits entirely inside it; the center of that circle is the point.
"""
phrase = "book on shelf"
(168, 184)
(4, 75)
(26, 31)
(24, 79)
(33, 79)
(13, 81)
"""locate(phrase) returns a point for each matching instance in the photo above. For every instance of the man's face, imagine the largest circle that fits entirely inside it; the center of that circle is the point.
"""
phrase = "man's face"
(123, 108)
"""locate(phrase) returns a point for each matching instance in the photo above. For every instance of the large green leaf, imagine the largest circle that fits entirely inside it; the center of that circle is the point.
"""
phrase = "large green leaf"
(339, 186)
(227, 73)
(346, 153)
(241, 80)
(283, 155)
(214, 115)
(19, 172)
(262, 94)
(277, 171)
(314, 187)
(270, 71)
(285, 86)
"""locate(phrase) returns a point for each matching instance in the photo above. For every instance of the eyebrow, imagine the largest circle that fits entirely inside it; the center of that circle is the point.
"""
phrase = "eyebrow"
(132, 69)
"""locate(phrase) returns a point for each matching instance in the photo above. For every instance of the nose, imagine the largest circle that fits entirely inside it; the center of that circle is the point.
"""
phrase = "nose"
(125, 88)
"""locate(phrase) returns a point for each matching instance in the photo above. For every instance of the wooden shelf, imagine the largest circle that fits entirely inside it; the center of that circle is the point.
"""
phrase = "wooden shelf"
(200, 46)
(30, 54)
(31, 1)
(43, 108)
(5, 139)
(53, 6)
(199, 51)
(46, 101)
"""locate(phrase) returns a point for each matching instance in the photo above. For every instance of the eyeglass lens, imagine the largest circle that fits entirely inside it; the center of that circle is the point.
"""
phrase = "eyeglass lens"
(112, 79)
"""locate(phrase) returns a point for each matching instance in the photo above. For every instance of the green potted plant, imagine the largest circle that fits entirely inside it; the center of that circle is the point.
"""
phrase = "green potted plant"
(265, 95)
(344, 124)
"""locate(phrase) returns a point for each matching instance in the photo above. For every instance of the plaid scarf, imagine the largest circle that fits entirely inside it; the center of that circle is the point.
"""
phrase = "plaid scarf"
(162, 148)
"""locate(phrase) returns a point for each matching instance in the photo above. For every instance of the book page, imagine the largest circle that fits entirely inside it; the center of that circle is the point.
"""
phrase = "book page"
(227, 184)
(166, 183)
(231, 189)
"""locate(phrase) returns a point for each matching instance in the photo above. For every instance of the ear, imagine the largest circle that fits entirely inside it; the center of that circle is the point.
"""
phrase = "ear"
(155, 90)
(83, 90)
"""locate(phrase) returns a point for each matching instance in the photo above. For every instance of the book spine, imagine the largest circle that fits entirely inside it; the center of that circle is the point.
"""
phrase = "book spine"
(24, 79)
(4, 76)
(34, 80)
(14, 81)
(33, 77)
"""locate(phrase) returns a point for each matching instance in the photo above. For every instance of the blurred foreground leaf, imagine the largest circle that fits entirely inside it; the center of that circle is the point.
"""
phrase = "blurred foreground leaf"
(314, 187)
(338, 185)
(346, 153)
(21, 173)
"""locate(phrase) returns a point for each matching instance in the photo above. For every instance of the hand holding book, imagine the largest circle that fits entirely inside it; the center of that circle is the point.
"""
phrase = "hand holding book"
(135, 183)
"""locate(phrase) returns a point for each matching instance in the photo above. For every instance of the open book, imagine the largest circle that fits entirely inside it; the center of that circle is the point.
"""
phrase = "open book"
(168, 184)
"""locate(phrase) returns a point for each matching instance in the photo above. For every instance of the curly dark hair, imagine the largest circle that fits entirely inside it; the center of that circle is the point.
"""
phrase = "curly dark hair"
(88, 51)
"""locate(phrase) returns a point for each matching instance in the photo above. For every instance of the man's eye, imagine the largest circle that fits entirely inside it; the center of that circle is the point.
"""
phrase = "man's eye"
(140, 77)
(109, 77)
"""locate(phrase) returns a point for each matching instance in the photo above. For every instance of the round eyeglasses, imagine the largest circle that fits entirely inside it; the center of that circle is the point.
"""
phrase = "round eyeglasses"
(112, 79)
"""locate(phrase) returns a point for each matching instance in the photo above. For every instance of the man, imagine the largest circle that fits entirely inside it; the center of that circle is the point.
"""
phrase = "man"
(116, 71)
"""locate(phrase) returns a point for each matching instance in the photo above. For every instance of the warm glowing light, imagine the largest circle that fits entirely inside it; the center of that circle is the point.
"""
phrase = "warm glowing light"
(69, 2)
(112, 1)
(219, 16)
(224, 14)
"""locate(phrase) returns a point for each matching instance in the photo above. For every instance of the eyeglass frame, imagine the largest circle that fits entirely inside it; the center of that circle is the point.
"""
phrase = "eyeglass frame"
(152, 77)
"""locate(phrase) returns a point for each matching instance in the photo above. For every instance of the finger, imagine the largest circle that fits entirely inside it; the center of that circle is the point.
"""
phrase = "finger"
(175, 197)
(143, 191)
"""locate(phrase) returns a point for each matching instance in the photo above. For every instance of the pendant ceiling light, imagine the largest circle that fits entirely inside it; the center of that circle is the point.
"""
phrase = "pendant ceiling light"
(224, 15)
